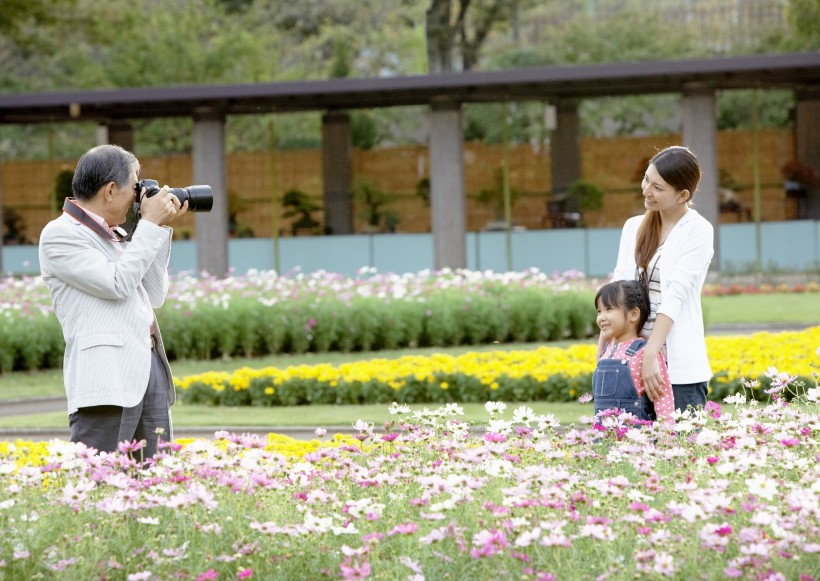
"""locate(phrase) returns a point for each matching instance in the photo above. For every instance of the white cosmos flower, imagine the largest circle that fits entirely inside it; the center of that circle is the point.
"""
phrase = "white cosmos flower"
(548, 421)
(707, 437)
(762, 486)
(499, 426)
(362, 426)
(453, 409)
(400, 409)
(523, 415)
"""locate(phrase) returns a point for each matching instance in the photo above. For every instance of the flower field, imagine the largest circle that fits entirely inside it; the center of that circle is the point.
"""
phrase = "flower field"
(715, 495)
(721, 493)
(542, 374)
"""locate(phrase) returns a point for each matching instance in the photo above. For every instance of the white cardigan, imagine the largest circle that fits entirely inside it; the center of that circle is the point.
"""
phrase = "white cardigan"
(685, 258)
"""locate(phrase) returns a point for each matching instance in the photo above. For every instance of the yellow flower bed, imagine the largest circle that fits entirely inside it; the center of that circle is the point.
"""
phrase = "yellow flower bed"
(732, 358)
(24, 453)
(488, 366)
(750, 356)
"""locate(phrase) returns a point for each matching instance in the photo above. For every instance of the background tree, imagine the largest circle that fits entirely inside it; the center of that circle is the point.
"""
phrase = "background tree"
(457, 30)
(50, 45)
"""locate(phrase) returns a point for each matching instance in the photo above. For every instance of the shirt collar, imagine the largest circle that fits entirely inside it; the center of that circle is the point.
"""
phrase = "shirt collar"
(96, 217)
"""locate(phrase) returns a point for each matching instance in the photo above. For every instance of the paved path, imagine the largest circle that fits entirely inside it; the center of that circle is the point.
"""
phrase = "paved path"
(58, 404)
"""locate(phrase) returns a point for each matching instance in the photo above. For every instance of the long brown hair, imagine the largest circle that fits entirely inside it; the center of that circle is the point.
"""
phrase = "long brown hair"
(680, 169)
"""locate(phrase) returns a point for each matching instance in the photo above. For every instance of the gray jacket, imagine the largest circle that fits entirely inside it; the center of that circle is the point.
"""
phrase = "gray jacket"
(96, 290)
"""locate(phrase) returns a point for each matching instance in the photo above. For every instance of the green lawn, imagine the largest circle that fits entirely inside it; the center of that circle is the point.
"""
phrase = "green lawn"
(327, 416)
(737, 309)
(764, 308)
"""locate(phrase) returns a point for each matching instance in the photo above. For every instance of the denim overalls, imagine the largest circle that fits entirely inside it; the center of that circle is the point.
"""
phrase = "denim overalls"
(612, 386)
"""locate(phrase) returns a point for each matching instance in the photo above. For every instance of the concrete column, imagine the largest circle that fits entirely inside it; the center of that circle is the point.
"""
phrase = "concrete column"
(565, 146)
(807, 143)
(700, 136)
(209, 169)
(337, 172)
(116, 133)
(447, 205)
(102, 134)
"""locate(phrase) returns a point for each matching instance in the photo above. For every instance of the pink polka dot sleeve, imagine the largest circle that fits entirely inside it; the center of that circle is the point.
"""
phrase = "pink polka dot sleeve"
(665, 406)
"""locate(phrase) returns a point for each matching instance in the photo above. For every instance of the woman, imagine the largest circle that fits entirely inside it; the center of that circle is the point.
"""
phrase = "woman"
(669, 249)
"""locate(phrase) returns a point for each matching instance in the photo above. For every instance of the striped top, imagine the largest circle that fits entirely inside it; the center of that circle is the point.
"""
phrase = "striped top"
(654, 283)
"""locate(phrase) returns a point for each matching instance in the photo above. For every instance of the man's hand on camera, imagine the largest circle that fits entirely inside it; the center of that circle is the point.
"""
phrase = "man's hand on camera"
(161, 208)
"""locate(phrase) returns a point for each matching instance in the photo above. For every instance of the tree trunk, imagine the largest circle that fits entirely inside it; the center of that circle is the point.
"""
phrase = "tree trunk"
(439, 37)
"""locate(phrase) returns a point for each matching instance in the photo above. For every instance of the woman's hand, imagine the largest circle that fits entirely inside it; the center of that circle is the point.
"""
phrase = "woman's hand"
(651, 374)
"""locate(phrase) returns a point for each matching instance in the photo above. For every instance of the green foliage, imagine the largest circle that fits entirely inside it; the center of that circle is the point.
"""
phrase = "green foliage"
(735, 109)
(493, 196)
(364, 130)
(300, 205)
(29, 342)
(525, 122)
(245, 327)
(804, 18)
(62, 187)
(587, 196)
(14, 227)
(372, 200)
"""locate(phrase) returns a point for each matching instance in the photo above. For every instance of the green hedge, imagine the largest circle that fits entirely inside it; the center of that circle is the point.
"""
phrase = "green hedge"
(245, 327)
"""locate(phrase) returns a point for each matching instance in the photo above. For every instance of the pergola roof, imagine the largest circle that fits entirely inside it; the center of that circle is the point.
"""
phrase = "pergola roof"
(798, 70)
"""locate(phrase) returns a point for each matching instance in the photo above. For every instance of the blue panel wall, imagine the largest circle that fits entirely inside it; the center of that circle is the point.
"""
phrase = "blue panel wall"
(401, 253)
(785, 246)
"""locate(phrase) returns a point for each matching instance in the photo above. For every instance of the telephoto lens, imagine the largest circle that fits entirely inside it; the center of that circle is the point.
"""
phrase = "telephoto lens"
(199, 198)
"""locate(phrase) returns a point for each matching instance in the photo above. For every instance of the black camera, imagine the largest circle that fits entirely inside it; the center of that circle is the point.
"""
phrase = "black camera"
(199, 198)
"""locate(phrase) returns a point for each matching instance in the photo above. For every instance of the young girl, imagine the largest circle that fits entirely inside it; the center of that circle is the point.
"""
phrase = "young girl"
(623, 307)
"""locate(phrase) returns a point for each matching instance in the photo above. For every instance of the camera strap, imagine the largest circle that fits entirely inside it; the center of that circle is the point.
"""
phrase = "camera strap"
(76, 212)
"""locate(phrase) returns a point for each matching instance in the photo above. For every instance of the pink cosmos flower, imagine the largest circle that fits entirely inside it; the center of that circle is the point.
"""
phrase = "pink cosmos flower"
(128, 447)
(790, 442)
(351, 570)
(404, 529)
(208, 575)
(414, 566)
(713, 409)
(495, 437)
(244, 573)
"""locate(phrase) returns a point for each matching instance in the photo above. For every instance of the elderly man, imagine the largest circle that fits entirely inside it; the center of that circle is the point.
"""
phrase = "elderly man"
(105, 287)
